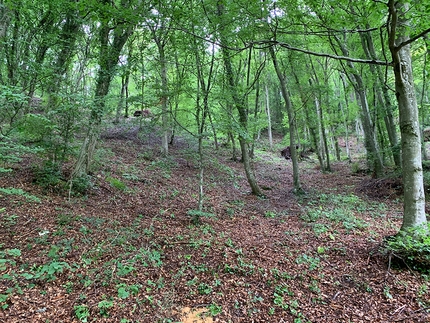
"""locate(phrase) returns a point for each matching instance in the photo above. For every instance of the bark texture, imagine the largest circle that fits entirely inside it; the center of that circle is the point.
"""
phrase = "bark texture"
(414, 201)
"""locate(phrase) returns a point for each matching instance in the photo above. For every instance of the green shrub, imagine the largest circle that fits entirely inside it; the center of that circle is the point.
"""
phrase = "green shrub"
(48, 175)
(11, 152)
(411, 246)
(82, 184)
(196, 215)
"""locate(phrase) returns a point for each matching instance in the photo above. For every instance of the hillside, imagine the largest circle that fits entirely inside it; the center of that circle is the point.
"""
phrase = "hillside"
(129, 252)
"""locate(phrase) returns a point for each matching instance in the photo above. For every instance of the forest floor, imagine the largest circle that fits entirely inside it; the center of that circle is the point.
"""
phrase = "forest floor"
(129, 252)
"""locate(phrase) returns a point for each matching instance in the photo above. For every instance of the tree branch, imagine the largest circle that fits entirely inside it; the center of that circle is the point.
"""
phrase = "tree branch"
(412, 39)
(337, 57)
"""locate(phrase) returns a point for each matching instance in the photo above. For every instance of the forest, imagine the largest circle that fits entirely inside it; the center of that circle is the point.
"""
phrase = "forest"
(214, 161)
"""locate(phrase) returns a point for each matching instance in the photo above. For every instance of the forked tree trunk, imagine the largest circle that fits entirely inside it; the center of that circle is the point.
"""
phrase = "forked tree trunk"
(108, 60)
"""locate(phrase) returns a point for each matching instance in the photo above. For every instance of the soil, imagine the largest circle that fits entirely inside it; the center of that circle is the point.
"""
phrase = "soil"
(128, 250)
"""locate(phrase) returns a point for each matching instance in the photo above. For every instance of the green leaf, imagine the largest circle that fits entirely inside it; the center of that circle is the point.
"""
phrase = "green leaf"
(14, 252)
(123, 293)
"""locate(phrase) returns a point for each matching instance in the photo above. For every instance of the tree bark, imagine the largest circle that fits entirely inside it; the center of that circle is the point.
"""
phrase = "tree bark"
(269, 118)
(414, 201)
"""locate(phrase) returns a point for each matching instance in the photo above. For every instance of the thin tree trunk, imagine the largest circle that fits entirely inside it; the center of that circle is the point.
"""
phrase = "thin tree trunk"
(291, 122)
(241, 109)
(202, 114)
(383, 98)
(373, 153)
(164, 98)
(269, 118)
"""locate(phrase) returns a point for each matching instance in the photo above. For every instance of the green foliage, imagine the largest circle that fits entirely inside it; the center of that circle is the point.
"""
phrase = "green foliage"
(164, 165)
(82, 184)
(12, 101)
(214, 309)
(49, 176)
(104, 307)
(82, 312)
(19, 192)
(117, 183)
(65, 219)
(124, 290)
(11, 152)
(48, 271)
(8, 220)
(197, 215)
(338, 209)
(412, 246)
(270, 214)
(36, 128)
(204, 289)
(312, 262)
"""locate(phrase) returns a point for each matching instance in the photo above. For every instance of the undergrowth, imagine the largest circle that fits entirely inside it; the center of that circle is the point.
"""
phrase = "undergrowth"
(411, 247)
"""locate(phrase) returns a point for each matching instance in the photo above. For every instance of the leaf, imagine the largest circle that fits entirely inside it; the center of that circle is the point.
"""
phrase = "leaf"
(123, 293)
(14, 252)
(27, 275)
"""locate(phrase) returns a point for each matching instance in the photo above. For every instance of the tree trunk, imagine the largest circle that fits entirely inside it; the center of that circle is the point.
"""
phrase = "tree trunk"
(383, 98)
(164, 97)
(241, 109)
(373, 154)
(108, 60)
(291, 122)
(309, 121)
(269, 118)
(414, 201)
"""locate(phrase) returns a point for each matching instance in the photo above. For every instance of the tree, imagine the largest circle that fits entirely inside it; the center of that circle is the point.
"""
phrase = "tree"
(291, 121)
(116, 26)
(399, 44)
(239, 103)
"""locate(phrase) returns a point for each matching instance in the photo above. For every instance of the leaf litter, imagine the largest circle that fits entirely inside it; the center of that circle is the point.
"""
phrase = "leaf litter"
(129, 252)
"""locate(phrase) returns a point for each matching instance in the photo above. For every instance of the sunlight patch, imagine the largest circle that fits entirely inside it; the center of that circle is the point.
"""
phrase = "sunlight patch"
(198, 315)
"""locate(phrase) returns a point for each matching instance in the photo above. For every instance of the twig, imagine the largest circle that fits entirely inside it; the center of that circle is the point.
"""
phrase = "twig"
(421, 309)
(335, 295)
(399, 310)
